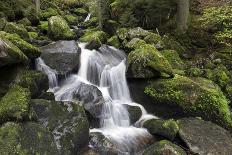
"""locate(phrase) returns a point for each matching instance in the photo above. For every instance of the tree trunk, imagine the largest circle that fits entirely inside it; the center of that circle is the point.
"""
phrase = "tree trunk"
(37, 5)
(182, 15)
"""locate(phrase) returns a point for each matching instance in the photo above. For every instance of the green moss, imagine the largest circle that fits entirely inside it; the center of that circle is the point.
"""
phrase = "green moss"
(15, 104)
(11, 53)
(71, 19)
(33, 35)
(113, 41)
(166, 128)
(194, 72)
(122, 33)
(155, 40)
(197, 97)
(18, 29)
(24, 22)
(135, 43)
(45, 14)
(147, 57)
(80, 12)
(94, 34)
(174, 59)
(58, 29)
(164, 147)
(28, 49)
(43, 26)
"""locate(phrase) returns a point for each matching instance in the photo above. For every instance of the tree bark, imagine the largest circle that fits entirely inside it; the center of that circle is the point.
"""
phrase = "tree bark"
(182, 15)
(37, 5)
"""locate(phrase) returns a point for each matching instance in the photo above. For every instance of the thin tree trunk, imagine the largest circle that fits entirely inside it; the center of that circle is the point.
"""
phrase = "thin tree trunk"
(182, 15)
(37, 5)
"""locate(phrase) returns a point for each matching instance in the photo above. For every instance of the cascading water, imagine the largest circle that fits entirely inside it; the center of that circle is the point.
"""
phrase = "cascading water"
(105, 69)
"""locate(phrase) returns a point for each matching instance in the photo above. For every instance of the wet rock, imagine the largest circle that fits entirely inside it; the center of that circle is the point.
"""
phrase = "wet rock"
(165, 128)
(135, 113)
(164, 147)
(62, 56)
(27, 138)
(66, 121)
(58, 29)
(204, 137)
(197, 97)
(9, 53)
(94, 44)
(102, 144)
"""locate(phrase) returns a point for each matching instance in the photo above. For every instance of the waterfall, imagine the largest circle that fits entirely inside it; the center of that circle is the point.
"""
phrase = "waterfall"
(105, 69)
(88, 17)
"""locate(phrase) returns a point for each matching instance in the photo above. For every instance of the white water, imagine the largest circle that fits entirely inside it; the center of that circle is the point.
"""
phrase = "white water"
(106, 70)
(88, 17)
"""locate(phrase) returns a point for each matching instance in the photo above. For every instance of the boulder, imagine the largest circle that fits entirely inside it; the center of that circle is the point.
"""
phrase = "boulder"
(80, 12)
(91, 34)
(18, 29)
(147, 62)
(67, 122)
(204, 137)
(93, 44)
(155, 40)
(197, 97)
(27, 138)
(164, 147)
(28, 49)
(135, 113)
(62, 56)
(166, 128)
(15, 104)
(134, 43)
(9, 53)
(58, 29)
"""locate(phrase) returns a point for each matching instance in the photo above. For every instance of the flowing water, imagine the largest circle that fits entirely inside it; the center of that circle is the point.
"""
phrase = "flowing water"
(104, 69)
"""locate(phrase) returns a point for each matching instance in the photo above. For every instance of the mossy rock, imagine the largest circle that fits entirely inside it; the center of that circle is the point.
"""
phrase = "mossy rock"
(134, 43)
(25, 22)
(197, 97)
(155, 40)
(92, 22)
(164, 147)
(46, 14)
(147, 62)
(72, 20)
(10, 54)
(26, 139)
(166, 128)
(35, 81)
(68, 123)
(15, 104)
(94, 34)
(94, 44)
(3, 22)
(114, 41)
(174, 59)
(28, 49)
(58, 29)
(33, 35)
(18, 29)
(194, 72)
(80, 12)
(124, 33)
(43, 26)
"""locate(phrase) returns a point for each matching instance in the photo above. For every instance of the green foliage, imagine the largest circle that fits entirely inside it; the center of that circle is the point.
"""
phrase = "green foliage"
(45, 14)
(94, 34)
(17, 29)
(114, 41)
(218, 19)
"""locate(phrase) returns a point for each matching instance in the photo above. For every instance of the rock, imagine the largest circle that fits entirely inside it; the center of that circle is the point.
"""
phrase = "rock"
(46, 14)
(28, 138)
(164, 147)
(204, 137)
(9, 53)
(135, 113)
(134, 43)
(35, 81)
(94, 44)
(113, 41)
(91, 23)
(58, 29)
(165, 128)
(94, 34)
(80, 12)
(72, 20)
(15, 104)
(155, 40)
(28, 49)
(102, 144)
(67, 122)
(47, 96)
(18, 29)
(137, 33)
(147, 62)
(197, 97)
(24, 22)
(62, 56)
(2, 23)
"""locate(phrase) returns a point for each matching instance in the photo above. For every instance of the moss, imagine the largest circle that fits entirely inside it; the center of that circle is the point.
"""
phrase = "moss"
(113, 41)
(147, 58)
(155, 40)
(164, 147)
(94, 34)
(91, 23)
(24, 22)
(165, 128)
(80, 12)
(15, 104)
(2, 23)
(135, 43)
(45, 14)
(33, 35)
(72, 20)
(43, 26)
(174, 59)
(122, 33)
(28, 49)
(197, 97)
(59, 29)
(18, 29)
(11, 53)
(194, 72)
